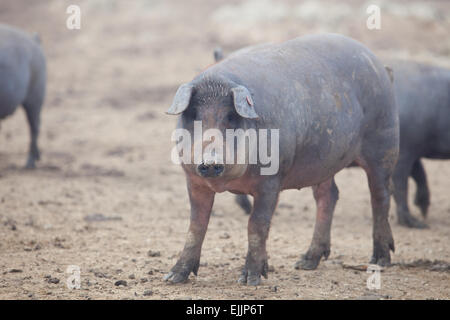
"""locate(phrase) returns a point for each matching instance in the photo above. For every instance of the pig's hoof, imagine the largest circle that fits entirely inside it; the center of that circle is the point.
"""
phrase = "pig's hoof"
(181, 271)
(173, 277)
(411, 222)
(381, 261)
(30, 165)
(381, 253)
(253, 278)
(307, 263)
(310, 260)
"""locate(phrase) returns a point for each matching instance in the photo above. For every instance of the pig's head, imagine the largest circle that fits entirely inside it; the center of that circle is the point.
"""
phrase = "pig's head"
(214, 106)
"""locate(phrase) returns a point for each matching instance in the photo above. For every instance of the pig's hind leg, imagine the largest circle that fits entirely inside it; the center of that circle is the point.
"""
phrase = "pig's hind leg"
(32, 106)
(326, 195)
(243, 202)
(379, 164)
(422, 199)
(406, 166)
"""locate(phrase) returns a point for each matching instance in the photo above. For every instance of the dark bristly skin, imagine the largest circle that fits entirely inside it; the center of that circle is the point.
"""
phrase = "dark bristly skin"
(332, 101)
(423, 98)
(22, 80)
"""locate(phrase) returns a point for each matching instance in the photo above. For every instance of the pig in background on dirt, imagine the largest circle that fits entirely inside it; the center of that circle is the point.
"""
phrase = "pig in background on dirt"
(22, 80)
(422, 94)
(332, 101)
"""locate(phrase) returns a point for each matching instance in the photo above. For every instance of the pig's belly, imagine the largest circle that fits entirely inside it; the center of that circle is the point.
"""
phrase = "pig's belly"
(7, 109)
(12, 94)
(315, 167)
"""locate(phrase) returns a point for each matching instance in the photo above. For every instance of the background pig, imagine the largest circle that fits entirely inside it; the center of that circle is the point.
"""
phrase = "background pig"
(22, 80)
(422, 93)
(332, 101)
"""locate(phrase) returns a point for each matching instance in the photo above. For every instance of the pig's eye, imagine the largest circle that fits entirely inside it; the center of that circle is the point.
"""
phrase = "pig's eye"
(191, 114)
(232, 118)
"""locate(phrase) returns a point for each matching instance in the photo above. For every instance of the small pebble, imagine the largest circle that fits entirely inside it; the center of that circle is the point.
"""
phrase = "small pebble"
(120, 283)
(148, 293)
(53, 280)
(15, 270)
(151, 253)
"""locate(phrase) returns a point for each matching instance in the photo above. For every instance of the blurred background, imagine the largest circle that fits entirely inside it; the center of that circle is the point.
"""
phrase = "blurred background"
(105, 144)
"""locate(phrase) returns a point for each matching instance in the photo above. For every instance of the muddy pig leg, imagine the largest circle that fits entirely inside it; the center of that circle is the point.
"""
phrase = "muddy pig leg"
(33, 105)
(201, 199)
(326, 195)
(258, 230)
(422, 199)
(400, 179)
(33, 118)
(379, 176)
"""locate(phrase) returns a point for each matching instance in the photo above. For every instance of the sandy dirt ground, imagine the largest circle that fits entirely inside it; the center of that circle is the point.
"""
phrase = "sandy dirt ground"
(106, 197)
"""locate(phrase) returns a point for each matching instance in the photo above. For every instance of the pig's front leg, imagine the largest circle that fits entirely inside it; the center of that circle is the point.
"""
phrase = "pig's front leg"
(265, 202)
(201, 199)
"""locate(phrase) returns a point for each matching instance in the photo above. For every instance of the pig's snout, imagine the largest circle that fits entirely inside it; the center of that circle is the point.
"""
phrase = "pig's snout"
(210, 169)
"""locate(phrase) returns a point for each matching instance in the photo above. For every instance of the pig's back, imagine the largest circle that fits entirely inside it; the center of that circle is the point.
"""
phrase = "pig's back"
(330, 70)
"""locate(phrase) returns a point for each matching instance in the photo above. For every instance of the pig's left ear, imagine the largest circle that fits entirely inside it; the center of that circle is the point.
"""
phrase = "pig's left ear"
(243, 103)
(181, 100)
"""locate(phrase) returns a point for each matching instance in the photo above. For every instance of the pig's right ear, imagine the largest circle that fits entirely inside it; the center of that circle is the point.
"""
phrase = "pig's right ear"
(181, 100)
